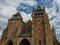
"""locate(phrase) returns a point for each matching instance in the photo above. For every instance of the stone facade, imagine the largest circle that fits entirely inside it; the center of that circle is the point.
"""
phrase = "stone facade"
(35, 32)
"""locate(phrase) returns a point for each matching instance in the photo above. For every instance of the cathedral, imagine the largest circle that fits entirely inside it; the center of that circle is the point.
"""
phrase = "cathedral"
(34, 32)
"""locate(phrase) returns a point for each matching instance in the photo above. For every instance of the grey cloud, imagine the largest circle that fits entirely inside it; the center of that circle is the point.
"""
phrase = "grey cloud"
(2, 24)
(58, 23)
(2, 16)
(3, 2)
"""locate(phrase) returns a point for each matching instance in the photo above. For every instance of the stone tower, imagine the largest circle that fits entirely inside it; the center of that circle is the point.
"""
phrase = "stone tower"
(41, 27)
(35, 32)
(38, 30)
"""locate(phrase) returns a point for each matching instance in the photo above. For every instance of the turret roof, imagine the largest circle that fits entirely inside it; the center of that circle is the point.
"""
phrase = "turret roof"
(17, 16)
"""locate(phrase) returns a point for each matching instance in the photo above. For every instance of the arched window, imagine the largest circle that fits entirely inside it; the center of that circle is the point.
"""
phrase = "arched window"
(9, 42)
(25, 42)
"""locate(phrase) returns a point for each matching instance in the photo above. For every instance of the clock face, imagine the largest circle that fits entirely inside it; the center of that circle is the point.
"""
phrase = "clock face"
(39, 30)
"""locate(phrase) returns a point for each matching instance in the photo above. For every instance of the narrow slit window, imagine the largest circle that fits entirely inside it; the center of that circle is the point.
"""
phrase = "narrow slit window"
(39, 42)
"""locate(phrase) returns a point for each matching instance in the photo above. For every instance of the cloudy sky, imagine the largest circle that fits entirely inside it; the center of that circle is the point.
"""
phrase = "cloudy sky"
(10, 7)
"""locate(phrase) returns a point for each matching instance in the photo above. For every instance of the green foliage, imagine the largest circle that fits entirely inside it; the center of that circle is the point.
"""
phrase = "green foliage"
(59, 43)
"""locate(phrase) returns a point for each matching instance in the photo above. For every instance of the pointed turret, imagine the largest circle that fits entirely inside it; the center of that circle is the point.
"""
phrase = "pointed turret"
(38, 7)
(53, 27)
(44, 9)
(16, 16)
(53, 31)
(33, 10)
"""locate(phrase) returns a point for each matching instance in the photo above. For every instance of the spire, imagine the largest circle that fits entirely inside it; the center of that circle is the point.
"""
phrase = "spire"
(16, 16)
(53, 31)
(53, 27)
(38, 7)
(44, 7)
(33, 10)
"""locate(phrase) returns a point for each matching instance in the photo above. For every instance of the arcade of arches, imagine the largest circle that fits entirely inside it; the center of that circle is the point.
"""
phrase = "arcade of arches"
(23, 42)
(9, 42)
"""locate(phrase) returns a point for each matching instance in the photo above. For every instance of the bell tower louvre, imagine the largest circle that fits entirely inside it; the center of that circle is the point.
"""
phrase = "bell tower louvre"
(35, 32)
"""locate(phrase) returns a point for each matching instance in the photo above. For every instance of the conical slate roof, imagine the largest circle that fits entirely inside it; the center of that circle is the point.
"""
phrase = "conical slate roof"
(16, 16)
